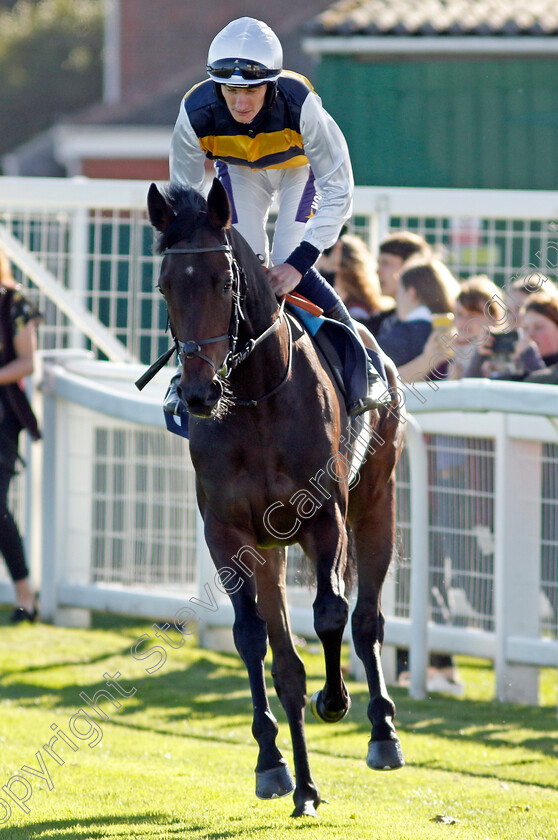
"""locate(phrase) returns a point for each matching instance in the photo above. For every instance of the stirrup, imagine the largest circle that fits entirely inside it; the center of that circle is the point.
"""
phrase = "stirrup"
(377, 395)
(171, 402)
(363, 405)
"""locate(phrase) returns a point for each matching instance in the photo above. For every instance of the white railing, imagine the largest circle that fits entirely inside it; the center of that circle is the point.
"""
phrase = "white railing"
(120, 531)
(93, 241)
(517, 422)
(83, 251)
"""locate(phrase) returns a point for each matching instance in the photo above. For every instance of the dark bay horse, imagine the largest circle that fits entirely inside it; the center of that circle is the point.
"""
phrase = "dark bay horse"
(268, 442)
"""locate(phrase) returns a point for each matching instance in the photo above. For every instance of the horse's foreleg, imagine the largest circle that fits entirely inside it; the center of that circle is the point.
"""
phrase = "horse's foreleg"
(328, 548)
(273, 777)
(288, 673)
(374, 546)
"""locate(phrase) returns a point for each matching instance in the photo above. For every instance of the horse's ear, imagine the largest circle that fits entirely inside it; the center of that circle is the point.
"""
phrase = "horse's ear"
(160, 212)
(219, 206)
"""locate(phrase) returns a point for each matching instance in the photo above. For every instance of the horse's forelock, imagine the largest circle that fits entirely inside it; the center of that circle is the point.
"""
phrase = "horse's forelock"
(190, 209)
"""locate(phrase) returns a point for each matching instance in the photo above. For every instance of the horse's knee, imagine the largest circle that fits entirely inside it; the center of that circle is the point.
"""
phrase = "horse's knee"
(250, 637)
(264, 726)
(331, 613)
(289, 678)
(368, 630)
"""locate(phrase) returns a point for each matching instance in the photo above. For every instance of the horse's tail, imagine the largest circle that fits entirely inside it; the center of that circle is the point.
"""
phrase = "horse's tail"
(350, 575)
(351, 571)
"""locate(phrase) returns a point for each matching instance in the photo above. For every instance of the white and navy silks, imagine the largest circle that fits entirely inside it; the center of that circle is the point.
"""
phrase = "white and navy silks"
(292, 150)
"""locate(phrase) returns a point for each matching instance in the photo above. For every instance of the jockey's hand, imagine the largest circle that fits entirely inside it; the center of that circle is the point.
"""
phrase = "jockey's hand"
(284, 278)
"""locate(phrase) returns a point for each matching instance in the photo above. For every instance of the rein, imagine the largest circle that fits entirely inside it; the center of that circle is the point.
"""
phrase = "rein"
(191, 348)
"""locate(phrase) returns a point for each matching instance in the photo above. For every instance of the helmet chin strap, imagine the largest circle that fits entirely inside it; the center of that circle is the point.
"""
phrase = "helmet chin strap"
(270, 94)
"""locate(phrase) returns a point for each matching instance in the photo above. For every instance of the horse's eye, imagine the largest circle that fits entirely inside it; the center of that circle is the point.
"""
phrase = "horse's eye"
(160, 290)
(228, 284)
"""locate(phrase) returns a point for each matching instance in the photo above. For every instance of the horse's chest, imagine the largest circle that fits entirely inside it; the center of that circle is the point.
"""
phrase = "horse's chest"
(249, 482)
(254, 486)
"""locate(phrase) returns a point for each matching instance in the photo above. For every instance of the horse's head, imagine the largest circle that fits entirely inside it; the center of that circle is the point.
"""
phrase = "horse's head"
(198, 282)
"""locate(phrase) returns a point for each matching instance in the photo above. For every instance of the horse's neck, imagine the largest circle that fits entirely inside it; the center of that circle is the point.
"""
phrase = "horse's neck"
(260, 309)
(260, 304)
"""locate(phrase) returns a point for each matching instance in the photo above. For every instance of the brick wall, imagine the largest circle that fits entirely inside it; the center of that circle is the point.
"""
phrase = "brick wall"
(132, 168)
(168, 40)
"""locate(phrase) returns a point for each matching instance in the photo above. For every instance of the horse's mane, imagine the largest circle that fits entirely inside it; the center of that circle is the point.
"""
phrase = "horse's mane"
(191, 213)
(190, 209)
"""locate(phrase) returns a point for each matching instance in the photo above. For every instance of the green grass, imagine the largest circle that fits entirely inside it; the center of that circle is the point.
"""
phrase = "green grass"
(176, 759)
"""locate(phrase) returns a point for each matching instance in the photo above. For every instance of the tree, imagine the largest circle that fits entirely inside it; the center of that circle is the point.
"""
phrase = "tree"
(50, 64)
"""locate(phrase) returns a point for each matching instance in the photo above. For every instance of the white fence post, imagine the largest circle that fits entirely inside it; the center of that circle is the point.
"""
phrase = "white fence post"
(51, 495)
(420, 586)
(516, 559)
(33, 483)
(78, 268)
(63, 507)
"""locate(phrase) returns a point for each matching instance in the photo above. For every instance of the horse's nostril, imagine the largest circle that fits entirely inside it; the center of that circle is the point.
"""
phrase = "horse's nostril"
(216, 390)
(201, 396)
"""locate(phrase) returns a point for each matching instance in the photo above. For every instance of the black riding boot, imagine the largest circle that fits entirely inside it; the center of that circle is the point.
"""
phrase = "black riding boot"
(376, 388)
(171, 402)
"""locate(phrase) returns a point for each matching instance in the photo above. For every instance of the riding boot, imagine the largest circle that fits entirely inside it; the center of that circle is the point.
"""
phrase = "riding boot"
(171, 402)
(376, 395)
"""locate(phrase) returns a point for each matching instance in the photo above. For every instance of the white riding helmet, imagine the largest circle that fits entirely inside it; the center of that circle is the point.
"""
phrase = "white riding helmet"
(244, 54)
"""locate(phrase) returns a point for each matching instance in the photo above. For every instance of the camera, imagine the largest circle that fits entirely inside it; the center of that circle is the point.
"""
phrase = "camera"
(503, 344)
(503, 347)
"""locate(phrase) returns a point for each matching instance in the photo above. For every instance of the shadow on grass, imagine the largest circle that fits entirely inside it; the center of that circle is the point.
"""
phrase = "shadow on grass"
(210, 686)
(465, 720)
(95, 826)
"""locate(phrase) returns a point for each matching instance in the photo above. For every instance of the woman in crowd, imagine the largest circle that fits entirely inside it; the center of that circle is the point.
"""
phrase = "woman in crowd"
(17, 346)
(525, 285)
(534, 356)
(425, 287)
(478, 308)
(353, 276)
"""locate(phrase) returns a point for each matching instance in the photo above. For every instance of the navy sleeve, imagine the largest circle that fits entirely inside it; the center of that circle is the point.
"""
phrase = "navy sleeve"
(405, 341)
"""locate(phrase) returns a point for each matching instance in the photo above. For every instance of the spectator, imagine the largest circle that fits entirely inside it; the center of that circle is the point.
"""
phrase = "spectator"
(425, 287)
(533, 357)
(478, 307)
(17, 345)
(522, 286)
(394, 251)
(356, 282)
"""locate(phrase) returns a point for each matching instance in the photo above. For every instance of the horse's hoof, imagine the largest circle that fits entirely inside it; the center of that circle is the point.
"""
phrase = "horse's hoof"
(307, 809)
(319, 710)
(271, 784)
(385, 755)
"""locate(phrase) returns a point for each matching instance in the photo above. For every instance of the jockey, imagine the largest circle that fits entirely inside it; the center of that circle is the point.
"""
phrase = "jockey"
(269, 136)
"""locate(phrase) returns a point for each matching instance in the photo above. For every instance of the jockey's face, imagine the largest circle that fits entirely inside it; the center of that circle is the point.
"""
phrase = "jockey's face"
(244, 103)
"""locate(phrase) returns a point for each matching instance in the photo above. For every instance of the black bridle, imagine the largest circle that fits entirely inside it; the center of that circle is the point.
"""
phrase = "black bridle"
(191, 348)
